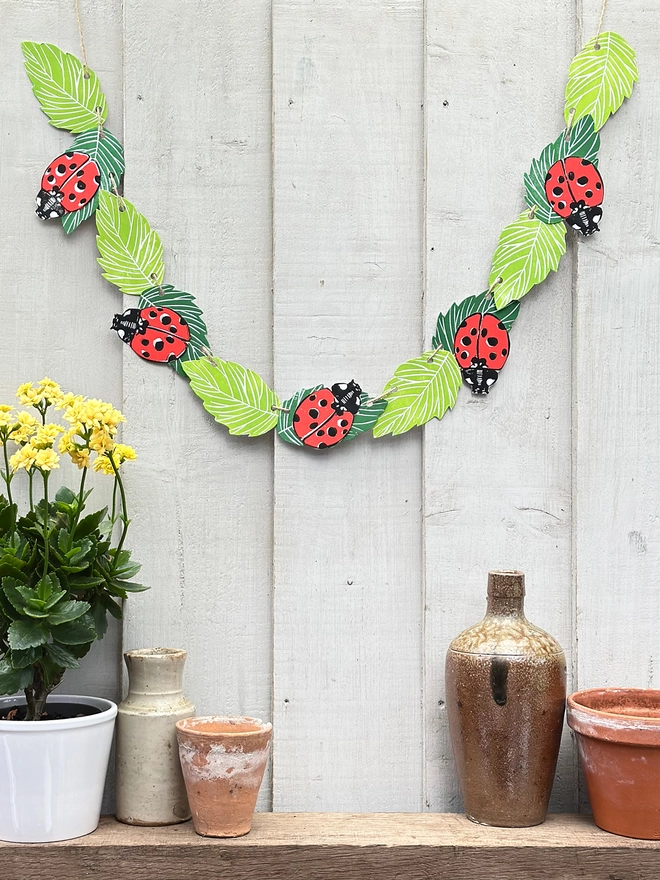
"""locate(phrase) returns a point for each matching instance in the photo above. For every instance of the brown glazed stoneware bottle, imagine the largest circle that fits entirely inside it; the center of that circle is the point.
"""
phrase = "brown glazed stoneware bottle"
(505, 697)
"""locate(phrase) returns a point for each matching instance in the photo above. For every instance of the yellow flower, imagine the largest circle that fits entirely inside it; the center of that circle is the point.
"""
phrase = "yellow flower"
(124, 453)
(119, 454)
(5, 418)
(24, 458)
(24, 427)
(50, 391)
(102, 464)
(78, 452)
(68, 399)
(46, 460)
(46, 435)
(80, 457)
(28, 395)
(101, 440)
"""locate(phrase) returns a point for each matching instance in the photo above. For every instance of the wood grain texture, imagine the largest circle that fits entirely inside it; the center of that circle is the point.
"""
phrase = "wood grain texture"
(198, 158)
(347, 96)
(326, 846)
(617, 325)
(497, 470)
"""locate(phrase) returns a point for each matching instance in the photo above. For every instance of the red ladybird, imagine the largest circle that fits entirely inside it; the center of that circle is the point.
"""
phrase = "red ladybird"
(481, 347)
(68, 184)
(574, 188)
(155, 334)
(324, 417)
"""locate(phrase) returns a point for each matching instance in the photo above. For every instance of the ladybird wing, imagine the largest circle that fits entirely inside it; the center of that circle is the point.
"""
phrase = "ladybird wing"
(493, 342)
(167, 320)
(312, 413)
(466, 340)
(330, 432)
(585, 181)
(156, 345)
(557, 191)
(81, 183)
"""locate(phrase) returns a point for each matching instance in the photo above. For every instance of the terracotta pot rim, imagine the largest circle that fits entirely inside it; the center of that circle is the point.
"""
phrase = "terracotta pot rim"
(611, 725)
(155, 652)
(189, 726)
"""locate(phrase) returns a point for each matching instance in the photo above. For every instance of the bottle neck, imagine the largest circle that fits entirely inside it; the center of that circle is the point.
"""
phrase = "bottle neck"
(157, 672)
(506, 606)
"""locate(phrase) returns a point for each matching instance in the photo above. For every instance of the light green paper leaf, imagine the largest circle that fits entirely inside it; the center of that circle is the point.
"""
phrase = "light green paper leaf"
(131, 252)
(448, 324)
(600, 79)
(285, 419)
(184, 305)
(58, 81)
(582, 141)
(527, 251)
(424, 390)
(235, 396)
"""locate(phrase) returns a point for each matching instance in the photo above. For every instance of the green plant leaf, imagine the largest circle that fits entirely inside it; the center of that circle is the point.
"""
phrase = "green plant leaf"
(235, 396)
(76, 632)
(366, 417)
(21, 659)
(184, 305)
(484, 304)
(24, 634)
(90, 523)
(528, 250)
(131, 252)
(285, 419)
(10, 588)
(68, 95)
(66, 611)
(13, 680)
(600, 78)
(61, 656)
(582, 141)
(65, 495)
(426, 387)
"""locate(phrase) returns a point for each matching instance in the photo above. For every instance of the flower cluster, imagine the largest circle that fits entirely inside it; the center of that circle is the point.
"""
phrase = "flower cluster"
(92, 430)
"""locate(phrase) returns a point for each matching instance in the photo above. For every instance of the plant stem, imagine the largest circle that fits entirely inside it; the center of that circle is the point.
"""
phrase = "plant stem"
(30, 478)
(124, 517)
(46, 532)
(80, 507)
(8, 478)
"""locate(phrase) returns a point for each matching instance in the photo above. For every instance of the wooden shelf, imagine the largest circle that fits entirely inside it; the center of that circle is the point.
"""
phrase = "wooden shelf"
(342, 846)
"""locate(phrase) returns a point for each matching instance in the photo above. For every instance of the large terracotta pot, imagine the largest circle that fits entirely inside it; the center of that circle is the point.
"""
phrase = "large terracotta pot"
(223, 761)
(618, 735)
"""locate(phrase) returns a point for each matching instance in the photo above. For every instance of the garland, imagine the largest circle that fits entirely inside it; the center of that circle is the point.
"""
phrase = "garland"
(563, 188)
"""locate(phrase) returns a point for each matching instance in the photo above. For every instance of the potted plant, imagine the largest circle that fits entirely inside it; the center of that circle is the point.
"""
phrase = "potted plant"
(61, 574)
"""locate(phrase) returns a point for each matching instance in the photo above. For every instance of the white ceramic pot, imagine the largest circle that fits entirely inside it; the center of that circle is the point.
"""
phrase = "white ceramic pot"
(52, 773)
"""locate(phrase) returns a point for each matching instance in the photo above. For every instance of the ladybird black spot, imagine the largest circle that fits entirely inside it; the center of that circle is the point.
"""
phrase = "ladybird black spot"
(599, 186)
(561, 178)
(332, 432)
(97, 178)
(492, 356)
(345, 431)
(313, 414)
(72, 197)
(466, 340)
(473, 332)
(165, 319)
(501, 326)
(313, 425)
(557, 190)
(589, 193)
(582, 181)
(169, 339)
(82, 201)
(323, 445)
(81, 186)
(571, 175)
(323, 402)
(585, 162)
(548, 176)
(173, 328)
(72, 166)
(61, 169)
(561, 206)
(342, 423)
(159, 345)
(69, 154)
(312, 397)
(152, 314)
(320, 433)
(50, 178)
(145, 354)
(484, 333)
(170, 358)
(464, 324)
(296, 418)
(80, 173)
(464, 355)
(504, 352)
(144, 342)
(492, 341)
(183, 322)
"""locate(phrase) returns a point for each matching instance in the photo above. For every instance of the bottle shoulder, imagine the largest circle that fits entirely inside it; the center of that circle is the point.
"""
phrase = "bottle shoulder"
(505, 634)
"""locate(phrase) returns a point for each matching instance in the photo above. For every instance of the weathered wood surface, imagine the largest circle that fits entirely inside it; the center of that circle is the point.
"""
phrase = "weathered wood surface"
(313, 846)
(322, 591)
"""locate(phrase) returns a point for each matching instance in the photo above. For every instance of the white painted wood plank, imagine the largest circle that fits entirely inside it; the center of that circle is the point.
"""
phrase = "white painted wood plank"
(348, 167)
(618, 411)
(197, 81)
(54, 302)
(498, 468)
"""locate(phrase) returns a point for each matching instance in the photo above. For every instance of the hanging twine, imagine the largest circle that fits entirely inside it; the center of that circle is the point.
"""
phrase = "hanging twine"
(82, 41)
(600, 24)
(382, 396)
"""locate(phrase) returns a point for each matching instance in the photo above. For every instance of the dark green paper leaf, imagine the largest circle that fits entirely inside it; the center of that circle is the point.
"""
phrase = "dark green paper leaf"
(183, 304)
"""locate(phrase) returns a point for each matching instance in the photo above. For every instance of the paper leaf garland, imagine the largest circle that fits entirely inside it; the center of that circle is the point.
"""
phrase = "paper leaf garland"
(527, 251)
(102, 146)
(71, 221)
(68, 94)
(185, 306)
(600, 78)
(449, 323)
(366, 417)
(285, 419)
(235, 396)
(131, 252)
(583, 141)
(426, 387)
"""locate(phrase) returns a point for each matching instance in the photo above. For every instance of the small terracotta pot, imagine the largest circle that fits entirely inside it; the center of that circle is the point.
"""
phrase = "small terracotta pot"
(619, 744)
(223, 761)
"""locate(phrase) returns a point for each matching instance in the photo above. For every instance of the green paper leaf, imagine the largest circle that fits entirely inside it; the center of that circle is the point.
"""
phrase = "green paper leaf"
(484, 304)
(285, 419)
(183, 304)
(527, 251)
(582, 141)
(600, 79)
(425, 390)
(72, 220)
(235, 396)
(108, 153)
(366, 417)
(24, 634)
(131, 252)
(58, 81)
